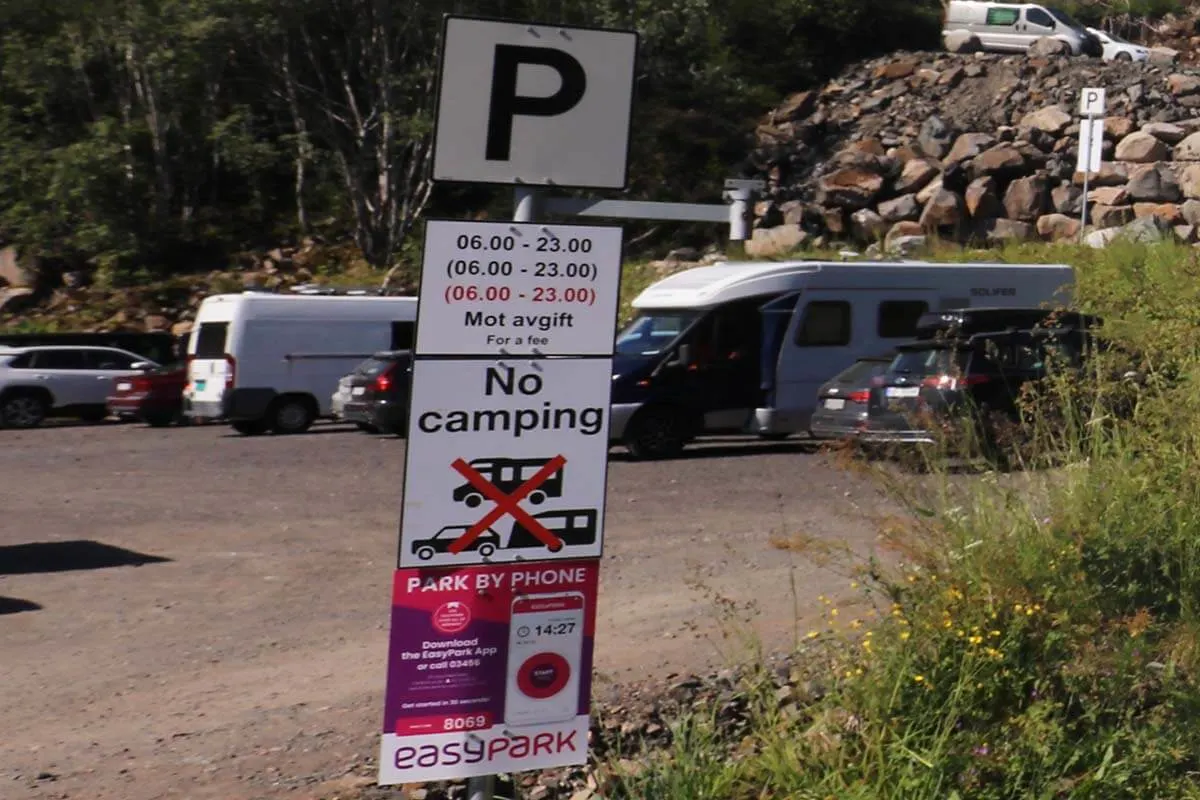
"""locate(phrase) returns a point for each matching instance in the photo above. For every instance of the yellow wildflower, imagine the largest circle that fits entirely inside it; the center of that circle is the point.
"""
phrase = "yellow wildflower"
(904, 635)
(919, 678)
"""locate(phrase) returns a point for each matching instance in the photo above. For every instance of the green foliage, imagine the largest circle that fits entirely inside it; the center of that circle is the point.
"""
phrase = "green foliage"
(1039, 637)
(149, 138)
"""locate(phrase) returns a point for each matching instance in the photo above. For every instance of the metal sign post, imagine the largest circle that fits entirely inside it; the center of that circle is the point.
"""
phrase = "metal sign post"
(502, 519)
(1091, 144)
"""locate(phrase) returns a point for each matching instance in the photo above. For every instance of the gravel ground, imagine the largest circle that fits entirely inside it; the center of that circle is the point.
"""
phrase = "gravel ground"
(189, 613)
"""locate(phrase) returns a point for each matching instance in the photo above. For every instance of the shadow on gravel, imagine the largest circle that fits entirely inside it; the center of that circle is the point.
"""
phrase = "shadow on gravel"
(36, 557)
(732, 449)
(13, 605)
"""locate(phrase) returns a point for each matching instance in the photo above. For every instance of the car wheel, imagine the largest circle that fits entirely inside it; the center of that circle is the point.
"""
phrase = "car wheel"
(250, 427)
(473, 500)
(1123, 57)
(24, 410)
(425, 553)
(537, 498)
(366, 427)
(655, 434)
(486, 550)
(291, 415)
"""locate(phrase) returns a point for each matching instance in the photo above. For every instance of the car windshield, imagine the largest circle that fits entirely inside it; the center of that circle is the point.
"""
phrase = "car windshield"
(862, 372)
(651, 331)
(1065, 18)
(926, 361)
(372, 367)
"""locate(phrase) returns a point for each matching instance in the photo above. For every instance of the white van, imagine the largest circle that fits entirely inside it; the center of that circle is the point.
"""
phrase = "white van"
(743, 347)
(272, 361)
(971, 25)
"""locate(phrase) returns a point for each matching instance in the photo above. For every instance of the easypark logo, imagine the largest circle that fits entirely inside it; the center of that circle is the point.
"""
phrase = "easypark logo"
(480, 750)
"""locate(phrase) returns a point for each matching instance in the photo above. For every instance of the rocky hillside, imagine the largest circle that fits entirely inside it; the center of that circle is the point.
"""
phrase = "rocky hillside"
(977, 148)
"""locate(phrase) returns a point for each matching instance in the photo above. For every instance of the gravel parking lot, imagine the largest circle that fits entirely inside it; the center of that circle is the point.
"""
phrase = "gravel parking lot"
(189, 613)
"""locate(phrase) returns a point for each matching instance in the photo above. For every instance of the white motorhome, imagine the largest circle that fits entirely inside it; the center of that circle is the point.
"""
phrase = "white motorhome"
(972, 25)
(273, 361)
(743, 347)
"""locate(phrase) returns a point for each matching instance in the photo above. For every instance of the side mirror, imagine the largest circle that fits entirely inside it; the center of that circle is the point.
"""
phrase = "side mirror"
(683, 356)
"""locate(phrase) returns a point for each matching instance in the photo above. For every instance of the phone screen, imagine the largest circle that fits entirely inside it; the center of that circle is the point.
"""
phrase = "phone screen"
(545, 647)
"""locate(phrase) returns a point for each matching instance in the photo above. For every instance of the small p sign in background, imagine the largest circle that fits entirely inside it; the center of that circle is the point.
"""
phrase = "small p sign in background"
(1091, 103)
(543, 105)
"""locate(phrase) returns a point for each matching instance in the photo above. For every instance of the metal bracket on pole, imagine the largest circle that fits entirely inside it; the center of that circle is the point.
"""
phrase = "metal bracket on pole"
(735, 213)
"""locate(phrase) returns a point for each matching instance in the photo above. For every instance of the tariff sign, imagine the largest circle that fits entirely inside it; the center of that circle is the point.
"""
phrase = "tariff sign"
(519, 289)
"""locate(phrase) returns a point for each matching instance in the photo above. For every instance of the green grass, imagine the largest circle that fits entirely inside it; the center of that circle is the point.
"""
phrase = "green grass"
(1041, 637)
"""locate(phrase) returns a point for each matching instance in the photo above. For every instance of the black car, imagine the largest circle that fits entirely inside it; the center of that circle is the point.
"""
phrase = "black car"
(842, 401)
(376, 395)
(978, 378)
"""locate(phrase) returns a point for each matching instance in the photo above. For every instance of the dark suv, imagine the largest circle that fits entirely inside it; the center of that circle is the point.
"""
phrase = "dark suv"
(376, 395)
(979, 377)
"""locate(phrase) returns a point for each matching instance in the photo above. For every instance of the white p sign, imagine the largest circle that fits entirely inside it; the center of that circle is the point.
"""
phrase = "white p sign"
(544, 105)
(1091, 103)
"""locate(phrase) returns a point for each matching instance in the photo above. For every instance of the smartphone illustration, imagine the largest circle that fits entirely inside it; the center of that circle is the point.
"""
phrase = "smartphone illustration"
(545, 648)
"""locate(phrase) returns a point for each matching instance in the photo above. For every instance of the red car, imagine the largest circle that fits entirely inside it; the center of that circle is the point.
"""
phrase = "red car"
(154, 397)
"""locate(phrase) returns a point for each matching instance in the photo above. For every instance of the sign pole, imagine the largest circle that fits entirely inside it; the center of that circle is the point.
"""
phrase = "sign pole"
(525, 202)
(1084, 204)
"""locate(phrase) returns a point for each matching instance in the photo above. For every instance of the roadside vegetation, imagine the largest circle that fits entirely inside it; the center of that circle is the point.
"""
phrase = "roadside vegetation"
(1039, 634)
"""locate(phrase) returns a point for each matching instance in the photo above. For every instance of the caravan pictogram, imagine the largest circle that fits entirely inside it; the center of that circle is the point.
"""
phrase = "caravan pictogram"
(509, 503)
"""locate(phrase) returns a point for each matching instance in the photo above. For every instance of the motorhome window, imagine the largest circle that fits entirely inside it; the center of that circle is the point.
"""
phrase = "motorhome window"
(651, 331)
(826, 323)
(1003, 16)
(898, 318)
(210, 339)
(403, 334)
(1036, 16)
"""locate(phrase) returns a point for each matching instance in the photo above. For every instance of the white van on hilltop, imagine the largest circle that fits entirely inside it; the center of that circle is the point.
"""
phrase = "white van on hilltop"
(744, 347)
(272, 362)
(973, 25)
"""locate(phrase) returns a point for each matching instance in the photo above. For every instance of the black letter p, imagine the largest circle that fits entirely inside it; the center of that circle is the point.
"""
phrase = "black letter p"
(506, 104)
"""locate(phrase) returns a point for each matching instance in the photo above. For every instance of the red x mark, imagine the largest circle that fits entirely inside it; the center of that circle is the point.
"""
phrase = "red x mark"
(507, 504)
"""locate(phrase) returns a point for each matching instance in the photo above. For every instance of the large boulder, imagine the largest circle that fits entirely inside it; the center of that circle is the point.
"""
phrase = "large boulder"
(999, 231)
(968, 146)
(983, 199)
(1066, 198)
(1051, 119)
(849, 187)
(1189, 181)
(1149, 229)
(944, 210)
(904, 207)
(935, 137)
(1026, 198)
(1189, 148)
(1048, 46)
(1154, 183)
(867, 226)
(1166, 131)
(1110, 216)
(1118, 127)
(777, 241)
(1109, 196)
(1141, 148)
(1003, 161)
(917, 174)
(1183, 85)
(1058, 227)
(1170, 213)
(904, 238)
(1191, 211)
(1112, 173)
